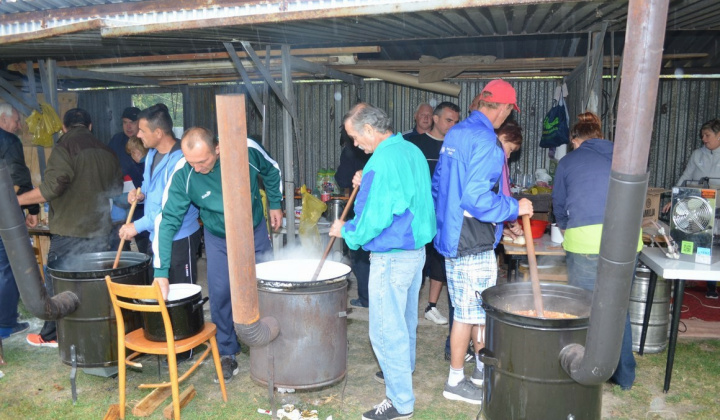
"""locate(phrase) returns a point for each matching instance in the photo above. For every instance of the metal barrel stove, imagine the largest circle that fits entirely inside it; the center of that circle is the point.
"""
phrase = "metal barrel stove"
(311, 350)
(659, 323)
(91, 329)
(523, 376)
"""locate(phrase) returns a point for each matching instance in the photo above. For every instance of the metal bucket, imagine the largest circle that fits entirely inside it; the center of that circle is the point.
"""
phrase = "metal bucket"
(92, 328)
(311, 350)
(335, 209)
(523, 377)
(659, 324)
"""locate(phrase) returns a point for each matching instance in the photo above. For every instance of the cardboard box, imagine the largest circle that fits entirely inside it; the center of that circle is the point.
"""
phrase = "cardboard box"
(652, 205)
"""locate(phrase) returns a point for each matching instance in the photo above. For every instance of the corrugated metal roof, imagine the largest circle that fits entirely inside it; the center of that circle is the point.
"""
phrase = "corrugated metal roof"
(405, 29)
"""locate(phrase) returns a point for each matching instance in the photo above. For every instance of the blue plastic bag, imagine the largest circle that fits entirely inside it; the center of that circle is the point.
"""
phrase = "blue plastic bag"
(556, 130)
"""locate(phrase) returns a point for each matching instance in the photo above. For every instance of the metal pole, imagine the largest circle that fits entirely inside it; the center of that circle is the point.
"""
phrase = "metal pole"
(289, 172)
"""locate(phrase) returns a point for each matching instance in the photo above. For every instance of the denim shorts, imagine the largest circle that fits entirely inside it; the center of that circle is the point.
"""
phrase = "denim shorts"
(467, 275)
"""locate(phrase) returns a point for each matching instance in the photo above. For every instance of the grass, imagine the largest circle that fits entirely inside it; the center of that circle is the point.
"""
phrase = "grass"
(36, 385)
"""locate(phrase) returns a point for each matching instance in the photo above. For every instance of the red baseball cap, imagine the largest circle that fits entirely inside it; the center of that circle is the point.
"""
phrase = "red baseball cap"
(501, 92)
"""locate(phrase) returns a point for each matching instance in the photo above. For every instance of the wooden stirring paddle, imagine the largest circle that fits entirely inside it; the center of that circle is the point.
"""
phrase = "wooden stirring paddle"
(332, 238)
(129, 218)
(532, 264)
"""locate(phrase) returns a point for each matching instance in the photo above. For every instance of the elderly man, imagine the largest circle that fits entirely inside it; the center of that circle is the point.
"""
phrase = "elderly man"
(394, 220)
(130, 168)
(423, 120)
(197, 181)
(471, 209)
(82, 175)
(11, 151)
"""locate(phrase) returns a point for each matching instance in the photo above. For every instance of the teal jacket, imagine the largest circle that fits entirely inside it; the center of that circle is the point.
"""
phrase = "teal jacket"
(394, 207)
(204, 191)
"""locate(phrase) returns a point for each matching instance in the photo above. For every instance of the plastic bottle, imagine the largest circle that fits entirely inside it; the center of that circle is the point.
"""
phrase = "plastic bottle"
(326, 186)
(319, 179)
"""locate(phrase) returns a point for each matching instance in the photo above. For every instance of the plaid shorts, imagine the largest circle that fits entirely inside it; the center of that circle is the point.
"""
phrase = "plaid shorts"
(467, 275)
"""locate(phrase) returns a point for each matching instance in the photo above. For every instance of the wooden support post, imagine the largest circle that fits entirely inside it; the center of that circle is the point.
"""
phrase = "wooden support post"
(151, 402)
(185, 398)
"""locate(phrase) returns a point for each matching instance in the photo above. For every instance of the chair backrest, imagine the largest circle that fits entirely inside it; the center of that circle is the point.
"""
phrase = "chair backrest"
(129, 293)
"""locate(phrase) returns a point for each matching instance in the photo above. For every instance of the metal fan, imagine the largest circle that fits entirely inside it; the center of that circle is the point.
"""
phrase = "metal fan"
(693, 214)
(691, 222)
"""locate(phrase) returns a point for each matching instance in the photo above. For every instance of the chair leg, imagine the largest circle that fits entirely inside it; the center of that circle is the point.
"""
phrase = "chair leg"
(121, 378)
(174, 385)
(218, 366)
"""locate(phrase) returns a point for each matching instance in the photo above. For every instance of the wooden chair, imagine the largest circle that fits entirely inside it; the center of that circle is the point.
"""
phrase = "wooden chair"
(137, 342)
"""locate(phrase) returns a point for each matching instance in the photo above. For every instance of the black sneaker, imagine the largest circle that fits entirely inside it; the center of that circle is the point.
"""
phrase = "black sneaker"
(229, 368)
(469, 356)
(711, 294)
(358, 303)
(385, 411)
(464, 391)
(380, 377)
(17, 329)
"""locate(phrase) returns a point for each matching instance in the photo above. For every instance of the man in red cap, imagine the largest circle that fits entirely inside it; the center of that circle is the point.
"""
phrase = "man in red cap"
(471, 205)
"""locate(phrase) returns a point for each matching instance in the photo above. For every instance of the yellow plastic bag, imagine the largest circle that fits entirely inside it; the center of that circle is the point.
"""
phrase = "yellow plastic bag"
(312, 210)
(43, 125)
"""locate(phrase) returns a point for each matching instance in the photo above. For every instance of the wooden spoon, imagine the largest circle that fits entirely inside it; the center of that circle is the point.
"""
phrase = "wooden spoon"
(532, 264)
(332, 238)
(129, 218)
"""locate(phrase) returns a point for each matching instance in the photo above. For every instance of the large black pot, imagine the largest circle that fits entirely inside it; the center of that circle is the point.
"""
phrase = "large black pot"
(523, 378)
(92, 328)
(185, 307)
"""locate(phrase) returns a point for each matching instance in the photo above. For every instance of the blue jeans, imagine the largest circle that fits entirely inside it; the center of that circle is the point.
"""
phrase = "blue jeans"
(582, 272)
(394, 288)
(9, 294)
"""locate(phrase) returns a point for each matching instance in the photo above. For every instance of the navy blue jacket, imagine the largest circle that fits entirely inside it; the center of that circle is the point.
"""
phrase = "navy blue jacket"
(581, 184)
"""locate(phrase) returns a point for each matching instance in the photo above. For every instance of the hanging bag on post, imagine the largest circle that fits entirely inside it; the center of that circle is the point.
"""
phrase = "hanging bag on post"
(556, 131)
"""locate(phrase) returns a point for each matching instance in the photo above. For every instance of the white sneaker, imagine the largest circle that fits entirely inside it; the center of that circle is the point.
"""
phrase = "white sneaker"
(435, 316)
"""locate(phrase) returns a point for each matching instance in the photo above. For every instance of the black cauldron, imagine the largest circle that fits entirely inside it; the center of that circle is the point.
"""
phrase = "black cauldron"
(185, 307)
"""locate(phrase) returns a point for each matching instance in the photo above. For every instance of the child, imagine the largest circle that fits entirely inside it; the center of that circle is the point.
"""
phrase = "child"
(136, 149)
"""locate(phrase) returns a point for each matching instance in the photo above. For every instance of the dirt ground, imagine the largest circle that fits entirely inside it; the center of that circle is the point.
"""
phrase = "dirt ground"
(36, 385)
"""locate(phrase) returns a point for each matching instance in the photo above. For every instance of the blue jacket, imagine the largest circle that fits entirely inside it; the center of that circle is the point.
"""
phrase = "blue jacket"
(154, 187)
(467, 189)
(581, 183)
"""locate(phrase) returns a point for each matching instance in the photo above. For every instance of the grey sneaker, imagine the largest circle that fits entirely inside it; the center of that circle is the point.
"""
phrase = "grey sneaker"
(385, 411)
(464, 391)
(380, 377)
(477, 375)
(229, 369)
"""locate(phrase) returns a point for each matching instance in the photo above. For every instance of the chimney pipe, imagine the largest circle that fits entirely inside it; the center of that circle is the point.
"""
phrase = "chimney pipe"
(15, 237)
(237, 204)
(595, 362)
